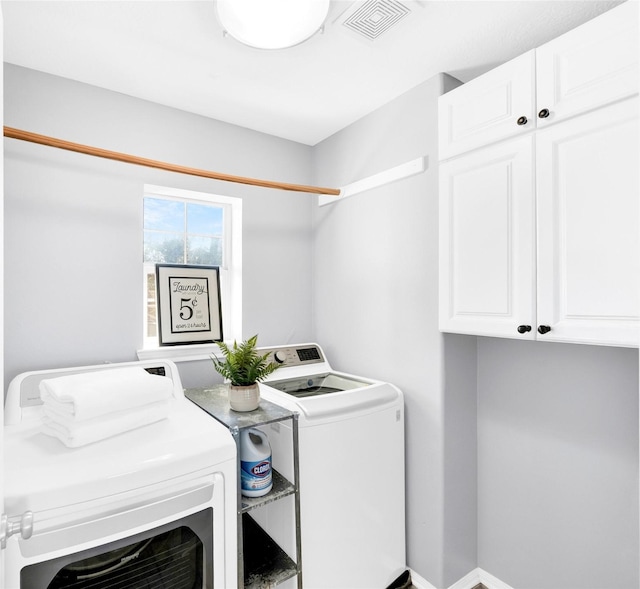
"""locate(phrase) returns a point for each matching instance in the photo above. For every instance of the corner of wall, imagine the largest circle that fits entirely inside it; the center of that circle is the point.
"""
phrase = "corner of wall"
(460, 456)
(449, 82)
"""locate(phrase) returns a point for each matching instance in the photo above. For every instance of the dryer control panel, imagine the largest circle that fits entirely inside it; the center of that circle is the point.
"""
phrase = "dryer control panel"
(300, 355)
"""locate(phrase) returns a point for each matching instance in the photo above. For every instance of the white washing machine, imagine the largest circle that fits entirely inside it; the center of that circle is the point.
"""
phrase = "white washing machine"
(152, 508)
(351, 460)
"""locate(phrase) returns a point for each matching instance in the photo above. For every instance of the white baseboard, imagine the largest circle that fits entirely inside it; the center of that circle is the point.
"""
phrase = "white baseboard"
(469, 581)
(420, 583)
(491, 582)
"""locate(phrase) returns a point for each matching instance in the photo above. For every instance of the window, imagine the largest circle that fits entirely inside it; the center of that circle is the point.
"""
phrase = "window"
(185, 227)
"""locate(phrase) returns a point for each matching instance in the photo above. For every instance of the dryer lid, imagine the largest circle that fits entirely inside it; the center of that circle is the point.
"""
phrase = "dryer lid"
(42, 473)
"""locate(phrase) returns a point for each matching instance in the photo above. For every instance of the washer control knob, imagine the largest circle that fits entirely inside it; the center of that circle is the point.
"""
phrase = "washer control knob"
(280, 356)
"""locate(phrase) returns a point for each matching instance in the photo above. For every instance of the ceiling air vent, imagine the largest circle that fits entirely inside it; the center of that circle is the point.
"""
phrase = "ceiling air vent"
(372, 18)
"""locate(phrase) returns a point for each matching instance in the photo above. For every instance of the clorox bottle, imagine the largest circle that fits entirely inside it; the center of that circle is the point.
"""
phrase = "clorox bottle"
(255, 463)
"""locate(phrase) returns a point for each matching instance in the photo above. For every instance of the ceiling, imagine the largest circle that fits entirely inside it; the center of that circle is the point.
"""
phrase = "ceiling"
(175, 53)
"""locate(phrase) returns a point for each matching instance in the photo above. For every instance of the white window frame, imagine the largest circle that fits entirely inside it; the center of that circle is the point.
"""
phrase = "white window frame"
(230, 277)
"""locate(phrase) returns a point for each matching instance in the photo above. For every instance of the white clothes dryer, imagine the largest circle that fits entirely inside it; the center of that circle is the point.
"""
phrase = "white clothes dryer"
(351, 464)
(150, 508)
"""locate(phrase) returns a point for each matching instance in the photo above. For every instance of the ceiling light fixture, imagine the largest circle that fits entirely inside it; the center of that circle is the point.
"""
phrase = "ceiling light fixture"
(272, 24)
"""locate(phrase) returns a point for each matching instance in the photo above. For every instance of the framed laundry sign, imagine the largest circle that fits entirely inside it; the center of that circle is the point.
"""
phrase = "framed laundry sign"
(188, 304)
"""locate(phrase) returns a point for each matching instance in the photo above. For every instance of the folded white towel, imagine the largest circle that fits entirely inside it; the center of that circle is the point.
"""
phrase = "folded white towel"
(74, 434)
(91, 394)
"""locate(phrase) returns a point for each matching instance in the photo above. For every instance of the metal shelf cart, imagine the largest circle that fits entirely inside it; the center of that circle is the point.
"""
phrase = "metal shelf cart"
(261, 562)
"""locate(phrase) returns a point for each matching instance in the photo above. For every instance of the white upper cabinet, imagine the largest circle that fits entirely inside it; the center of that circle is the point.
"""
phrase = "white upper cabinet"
(588, 67)
(487, 241)
(546, 245)
(589, 227)
(494, 106)
(540, 234)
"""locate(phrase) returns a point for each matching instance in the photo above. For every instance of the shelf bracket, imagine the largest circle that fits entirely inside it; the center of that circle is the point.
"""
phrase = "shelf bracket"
(411, 168)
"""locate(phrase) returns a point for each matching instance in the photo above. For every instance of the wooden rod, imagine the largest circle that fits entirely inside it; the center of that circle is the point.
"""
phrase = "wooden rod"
(13, 133)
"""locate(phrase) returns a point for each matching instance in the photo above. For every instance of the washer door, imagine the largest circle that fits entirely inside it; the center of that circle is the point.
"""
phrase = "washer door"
(173, 556)
(101, 565)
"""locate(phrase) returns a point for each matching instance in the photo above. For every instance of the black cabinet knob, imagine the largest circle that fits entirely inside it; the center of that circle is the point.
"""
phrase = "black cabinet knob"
(542, 329)
(544, 113)
(524, 328)
(522, 121)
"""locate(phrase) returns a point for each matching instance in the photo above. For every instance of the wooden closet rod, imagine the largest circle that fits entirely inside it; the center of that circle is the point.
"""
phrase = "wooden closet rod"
(140, 161)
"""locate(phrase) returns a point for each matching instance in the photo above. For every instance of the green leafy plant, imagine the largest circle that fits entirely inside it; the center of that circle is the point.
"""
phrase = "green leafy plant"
(242, 364)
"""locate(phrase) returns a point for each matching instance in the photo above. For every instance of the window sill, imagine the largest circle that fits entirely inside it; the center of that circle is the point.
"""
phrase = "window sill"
(188, 353)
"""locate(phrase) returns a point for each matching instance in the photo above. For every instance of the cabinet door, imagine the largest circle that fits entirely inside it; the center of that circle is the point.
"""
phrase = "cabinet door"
(487, 247)
(590, 66)
(589, 227)
(487, 108)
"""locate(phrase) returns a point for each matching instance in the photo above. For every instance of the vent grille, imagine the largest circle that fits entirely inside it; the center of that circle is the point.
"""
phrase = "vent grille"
(374, 17)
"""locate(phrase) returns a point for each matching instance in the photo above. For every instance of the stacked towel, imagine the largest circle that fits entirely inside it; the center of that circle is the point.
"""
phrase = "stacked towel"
(85, 408)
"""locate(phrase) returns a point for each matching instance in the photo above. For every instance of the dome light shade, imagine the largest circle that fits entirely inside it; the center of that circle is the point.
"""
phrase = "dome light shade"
(272, 24)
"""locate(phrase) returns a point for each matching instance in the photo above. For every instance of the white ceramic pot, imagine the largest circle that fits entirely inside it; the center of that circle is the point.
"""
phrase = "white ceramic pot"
(244, 398)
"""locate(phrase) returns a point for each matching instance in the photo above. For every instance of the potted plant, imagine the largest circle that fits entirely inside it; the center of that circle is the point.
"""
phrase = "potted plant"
(244, 367)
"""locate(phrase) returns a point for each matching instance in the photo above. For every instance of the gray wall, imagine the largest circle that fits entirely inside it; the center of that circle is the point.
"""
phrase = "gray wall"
(558, 464)
(376, 312)
(73, 222)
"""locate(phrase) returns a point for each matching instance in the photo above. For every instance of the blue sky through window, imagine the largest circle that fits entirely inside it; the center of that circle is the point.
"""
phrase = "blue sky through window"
(163, 215)
(179, 232)
(204, 219)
